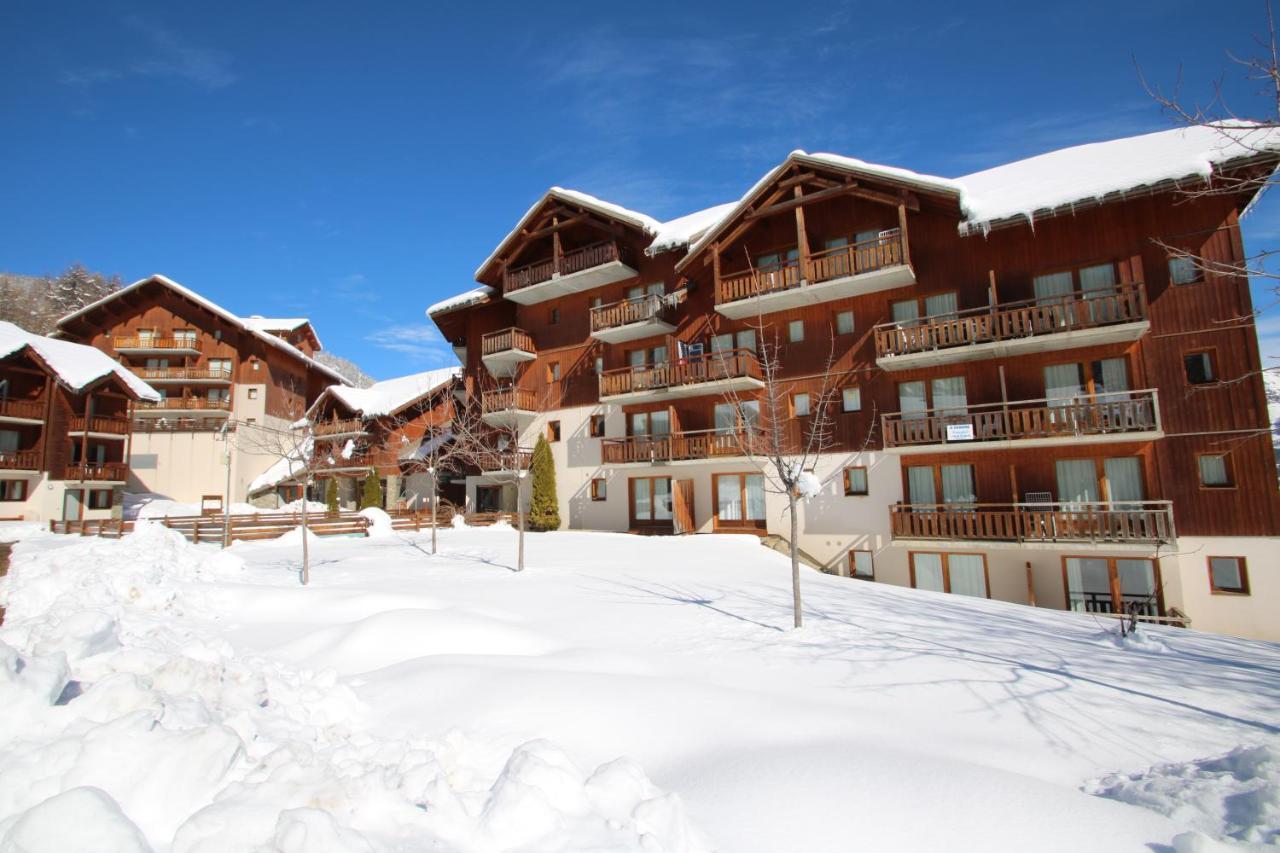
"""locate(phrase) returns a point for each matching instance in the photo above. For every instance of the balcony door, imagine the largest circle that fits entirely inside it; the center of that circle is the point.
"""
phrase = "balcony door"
(651, 505)
(1081, 481)
(1112, 585)
(649, 423)
(959, 574)
(731, 418)
(954, 483)
(739, 502)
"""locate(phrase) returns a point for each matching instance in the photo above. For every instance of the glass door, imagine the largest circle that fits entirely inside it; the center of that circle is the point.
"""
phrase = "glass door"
(928, 572)
(1077, 482)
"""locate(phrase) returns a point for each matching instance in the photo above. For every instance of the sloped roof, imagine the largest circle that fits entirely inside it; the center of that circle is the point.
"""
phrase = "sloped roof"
(240, 322)
(462, 300)
(76, 366)
(391, 395)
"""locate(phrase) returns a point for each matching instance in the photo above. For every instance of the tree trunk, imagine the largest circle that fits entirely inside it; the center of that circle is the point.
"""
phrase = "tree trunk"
(795, 560)
(306, 564)
(435, 501)
(520, 545)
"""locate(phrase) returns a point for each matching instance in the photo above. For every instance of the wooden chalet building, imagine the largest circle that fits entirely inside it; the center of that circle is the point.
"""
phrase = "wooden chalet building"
(65, 429)
(1038, 399)
(215, 373)
(386, 429)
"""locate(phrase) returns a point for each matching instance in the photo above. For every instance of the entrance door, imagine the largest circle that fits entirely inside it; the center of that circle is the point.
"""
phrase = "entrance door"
(72, 505)
(682, 497)
(488, 498)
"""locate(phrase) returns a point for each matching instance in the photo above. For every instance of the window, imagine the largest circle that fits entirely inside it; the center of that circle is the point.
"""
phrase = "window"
(795, 331)
(596, 301)
(640, 291)
(553, 430)
(861, 565)
(9, 440)
(1214, 471)
(1184, 271)
(253, 393)
(1228, 574)
(799, 405)
(187, 336)
(851, 399)
(954, 482)
(220, 365)
(746, 339)
(599, 365)
(650, 423)
(597, 426)
(732, 417)
(907, 311)
(855, 481)
(599, 489)
(650, 499)
(1200, 368)
(100, 499)
(13, 490)
(644, 357)
(553, 371)
(554, 316)
(844, 323)
(959, 574)
(739, 500)
(1113, 585)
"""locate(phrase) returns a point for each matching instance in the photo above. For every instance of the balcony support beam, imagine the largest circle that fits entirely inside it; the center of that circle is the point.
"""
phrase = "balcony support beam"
(802, 238)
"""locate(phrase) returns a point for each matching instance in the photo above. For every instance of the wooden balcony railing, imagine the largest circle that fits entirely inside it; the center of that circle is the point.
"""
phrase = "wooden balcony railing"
(507, 339)
(695, 444)
(570, 262)
(854, 259)
(503, 460)
(97, 472)
(731, 364)
(152, 425)
(185, 403)
(114, 426)
(502, 399)
(19, 460)
(1127, 303)
(335, 461)
(1107, 414)
(155, 342)
(352, 426)
(191, 374)
(639, 310)
(30, 409)
(1144, 522)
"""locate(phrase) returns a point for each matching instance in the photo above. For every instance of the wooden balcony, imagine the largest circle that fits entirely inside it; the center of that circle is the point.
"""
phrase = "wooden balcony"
(1124, 416)
(503, 351)
(1016, 328)
(504, 461)
(692, 446)
(97, 472)
(714, 373)
(508, 407)
(334, 428)
(117, 427)
(19, 460)
(26, 411)
(171, 345)
(1134, 523)
(839, 273)
(153, 424)
(573, 272)
(632, 319)
(188, 375)
(182, 404)
(333, 462)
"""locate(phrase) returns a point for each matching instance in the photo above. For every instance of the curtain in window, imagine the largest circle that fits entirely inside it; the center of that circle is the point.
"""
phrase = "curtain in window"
(940, 305)
(957, 485)
(755, 497)
(911, 400)
(1077, 481)
(721, 343)
(662, 500)
(1062, 383)
(1088, 585)
(928, 571)
(1226, 573)
(967, 575)
(635, 358)
(1138, 586)
(1213, 470)
(920, 488)
(728, 497)
(1098, 284)
(643, 499)
(1124, 480)
(726, 418)
(750, 411)
(1111, 376)
(906, 311)
(1052, 288)
(659, 423)
(950, 397)
(659, 355)
(8, 441)
(747, 340)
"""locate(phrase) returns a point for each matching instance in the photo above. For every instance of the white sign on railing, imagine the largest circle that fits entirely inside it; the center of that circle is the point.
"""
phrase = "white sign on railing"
(959, 432)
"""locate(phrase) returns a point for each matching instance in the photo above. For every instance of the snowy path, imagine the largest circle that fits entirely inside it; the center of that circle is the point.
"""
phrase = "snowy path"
(896, 720)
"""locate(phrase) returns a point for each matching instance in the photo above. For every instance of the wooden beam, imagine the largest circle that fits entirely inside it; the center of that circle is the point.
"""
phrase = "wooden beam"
(802, 237)
(557, 253)
(902, 227)
(796, 180)
(551, 229)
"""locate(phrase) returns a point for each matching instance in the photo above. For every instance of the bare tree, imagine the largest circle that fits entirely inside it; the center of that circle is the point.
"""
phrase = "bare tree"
(292, 448)
(784, 448)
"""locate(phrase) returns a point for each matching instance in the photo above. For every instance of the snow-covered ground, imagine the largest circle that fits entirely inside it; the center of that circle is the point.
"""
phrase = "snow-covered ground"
(622, 693)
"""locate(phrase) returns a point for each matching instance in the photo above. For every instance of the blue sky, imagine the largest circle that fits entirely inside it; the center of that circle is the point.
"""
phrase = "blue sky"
(355, 164)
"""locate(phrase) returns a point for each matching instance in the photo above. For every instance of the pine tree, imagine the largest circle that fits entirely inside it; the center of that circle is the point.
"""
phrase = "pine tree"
(372, 495)
(331, 494)
(544, 509)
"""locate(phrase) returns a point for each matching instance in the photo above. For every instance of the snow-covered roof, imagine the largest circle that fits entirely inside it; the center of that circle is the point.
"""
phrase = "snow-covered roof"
(391, 395)
(274, 324)
(240, 322)
(77, 366)
(678, 233)
(472, 297)
(645, 223)
(1087, 173)
(282, 470)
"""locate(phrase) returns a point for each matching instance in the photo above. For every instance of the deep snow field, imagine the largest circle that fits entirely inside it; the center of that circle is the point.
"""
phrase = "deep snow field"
(621, 694)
